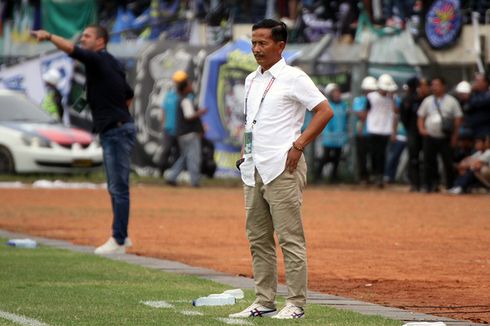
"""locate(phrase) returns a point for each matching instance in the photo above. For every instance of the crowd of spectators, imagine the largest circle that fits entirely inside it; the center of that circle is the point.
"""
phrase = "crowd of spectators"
(385, 121)
(308, 20)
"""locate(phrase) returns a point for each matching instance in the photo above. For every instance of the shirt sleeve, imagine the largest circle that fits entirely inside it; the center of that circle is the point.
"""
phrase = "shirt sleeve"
(424, 109)
(458, 112)
(84, 56)
(359, 104)
(306, 92)
(129, 93)
(188, 108)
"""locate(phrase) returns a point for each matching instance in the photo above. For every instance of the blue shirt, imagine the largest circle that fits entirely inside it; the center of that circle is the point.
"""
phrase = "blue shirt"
(169, 105)
(359, 105)
(335, 133)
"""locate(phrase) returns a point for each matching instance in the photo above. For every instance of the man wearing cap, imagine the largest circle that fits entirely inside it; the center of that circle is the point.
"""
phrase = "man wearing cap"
(380, 124)
(109, 97)
(334, 135)
(189, 132)
(359, 107)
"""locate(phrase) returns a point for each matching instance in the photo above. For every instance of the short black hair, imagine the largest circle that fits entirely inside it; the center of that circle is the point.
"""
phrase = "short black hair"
(100, 32)
(181, 86)
(279, 30)
(485, 77)
(439, 78)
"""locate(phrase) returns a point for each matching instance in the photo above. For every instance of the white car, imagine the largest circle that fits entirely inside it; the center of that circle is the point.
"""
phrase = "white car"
(31, 141)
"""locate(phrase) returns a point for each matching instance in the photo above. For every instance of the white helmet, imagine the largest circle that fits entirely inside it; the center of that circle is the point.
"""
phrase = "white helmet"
(330, 87)
(386, 83)
(463, 87)
(369, 84)
(52, 76)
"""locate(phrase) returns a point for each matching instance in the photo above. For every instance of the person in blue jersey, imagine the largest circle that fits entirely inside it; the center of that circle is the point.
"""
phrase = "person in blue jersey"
(189, 132)
(334, 135)
(170, 104)
(359, 108)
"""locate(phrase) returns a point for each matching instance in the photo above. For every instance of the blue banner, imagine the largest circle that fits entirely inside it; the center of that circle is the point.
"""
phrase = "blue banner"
(443, 23)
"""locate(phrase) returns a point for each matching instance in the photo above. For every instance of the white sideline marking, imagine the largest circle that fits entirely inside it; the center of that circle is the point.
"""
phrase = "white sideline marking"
(158, 304)
(21, 319)
(191, 313)
(234, 321)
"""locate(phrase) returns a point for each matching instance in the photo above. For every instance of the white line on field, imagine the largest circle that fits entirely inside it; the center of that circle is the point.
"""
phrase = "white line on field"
(158, 304)
(191, 313)
(234, 321)
(21, 319)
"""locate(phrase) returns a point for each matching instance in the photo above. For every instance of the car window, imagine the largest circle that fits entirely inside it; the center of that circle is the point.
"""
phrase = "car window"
(17, 107)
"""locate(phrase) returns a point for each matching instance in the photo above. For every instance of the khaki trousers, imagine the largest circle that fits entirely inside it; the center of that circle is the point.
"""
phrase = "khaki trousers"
(277, 207)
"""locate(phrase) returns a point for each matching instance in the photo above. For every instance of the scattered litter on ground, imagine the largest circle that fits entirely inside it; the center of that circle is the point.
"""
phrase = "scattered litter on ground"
(22, 243)
(220, 299)
(158, 304)
(58, 184)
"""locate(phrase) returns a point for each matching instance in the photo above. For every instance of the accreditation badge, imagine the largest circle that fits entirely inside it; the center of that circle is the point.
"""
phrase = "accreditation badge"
(247, 142)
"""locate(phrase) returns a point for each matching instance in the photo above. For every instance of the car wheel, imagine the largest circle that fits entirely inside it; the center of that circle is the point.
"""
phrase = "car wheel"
(6, 161)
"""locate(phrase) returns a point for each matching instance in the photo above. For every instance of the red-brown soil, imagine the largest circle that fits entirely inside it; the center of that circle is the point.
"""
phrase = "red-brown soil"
(427, 253)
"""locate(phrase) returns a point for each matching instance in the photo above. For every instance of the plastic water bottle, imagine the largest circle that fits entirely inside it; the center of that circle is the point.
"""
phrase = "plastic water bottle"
(237, 293)
(22, 243)
(221, 299)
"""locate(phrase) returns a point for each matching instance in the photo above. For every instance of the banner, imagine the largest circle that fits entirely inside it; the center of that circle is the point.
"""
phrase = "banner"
(68, 17)
(443, 23)
(26, 76)
(155, 67)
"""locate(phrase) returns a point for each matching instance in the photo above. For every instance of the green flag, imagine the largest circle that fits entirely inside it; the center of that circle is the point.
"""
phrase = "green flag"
(68, 17)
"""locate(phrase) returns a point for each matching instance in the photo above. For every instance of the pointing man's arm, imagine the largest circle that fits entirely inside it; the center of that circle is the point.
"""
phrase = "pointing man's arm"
(60, 42)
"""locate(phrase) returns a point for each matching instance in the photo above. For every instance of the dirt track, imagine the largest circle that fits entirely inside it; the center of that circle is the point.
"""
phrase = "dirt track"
(429, 253)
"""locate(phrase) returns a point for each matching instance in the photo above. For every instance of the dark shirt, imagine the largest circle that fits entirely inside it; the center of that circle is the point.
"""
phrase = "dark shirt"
(477, 115)
(408, 112)
(107, 89)
(187, 126)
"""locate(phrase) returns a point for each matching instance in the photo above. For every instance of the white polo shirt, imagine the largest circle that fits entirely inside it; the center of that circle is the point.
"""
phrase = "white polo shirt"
(279, 119)
(449, 107)
(379, 119)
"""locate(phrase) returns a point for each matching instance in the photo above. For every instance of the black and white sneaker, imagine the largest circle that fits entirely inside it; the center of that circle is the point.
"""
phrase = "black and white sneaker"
(254, 310)
(290, 311)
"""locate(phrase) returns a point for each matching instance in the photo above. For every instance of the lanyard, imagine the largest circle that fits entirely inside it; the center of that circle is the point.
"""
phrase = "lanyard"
(261, 100)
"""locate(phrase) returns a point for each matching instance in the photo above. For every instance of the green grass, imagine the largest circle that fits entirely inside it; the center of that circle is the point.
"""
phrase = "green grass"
(60, 287)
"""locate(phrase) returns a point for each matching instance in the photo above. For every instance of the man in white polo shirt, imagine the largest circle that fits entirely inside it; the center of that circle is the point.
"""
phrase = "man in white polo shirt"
(274, 168)
(430, 122)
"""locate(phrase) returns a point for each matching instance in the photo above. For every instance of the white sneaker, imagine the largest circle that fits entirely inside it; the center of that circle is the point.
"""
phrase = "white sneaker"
(110, 247)
(128, 243)
(254, 310)
(455, 191)
(290, 311)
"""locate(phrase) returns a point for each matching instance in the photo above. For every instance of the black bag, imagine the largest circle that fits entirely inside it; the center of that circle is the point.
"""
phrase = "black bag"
(208, 165)
(447, 124)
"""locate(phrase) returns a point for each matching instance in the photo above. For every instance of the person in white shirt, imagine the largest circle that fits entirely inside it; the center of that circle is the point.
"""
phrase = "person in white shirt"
(273, 168)
(431, 113)
(380, 124)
